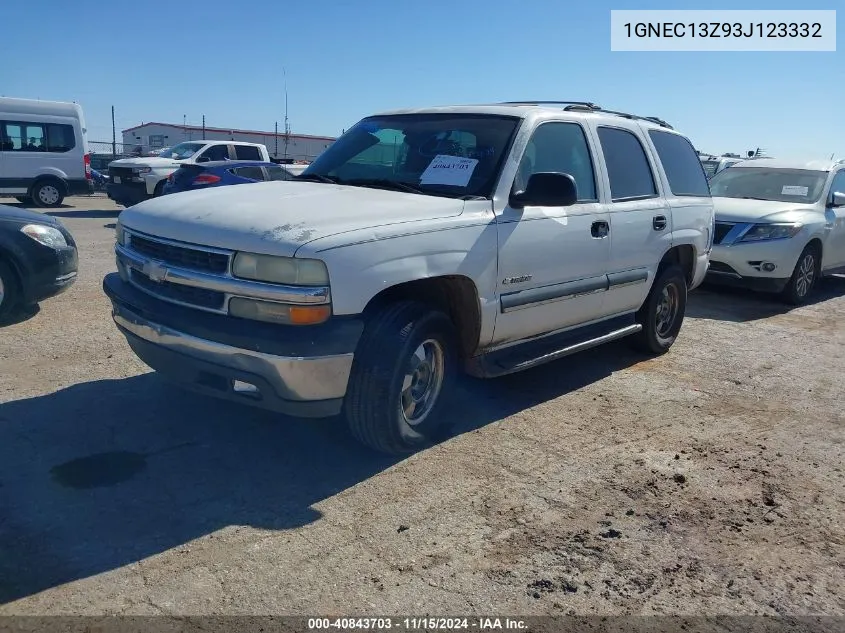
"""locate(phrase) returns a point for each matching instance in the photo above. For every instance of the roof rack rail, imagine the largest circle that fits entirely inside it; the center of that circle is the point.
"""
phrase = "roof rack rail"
(587, 106)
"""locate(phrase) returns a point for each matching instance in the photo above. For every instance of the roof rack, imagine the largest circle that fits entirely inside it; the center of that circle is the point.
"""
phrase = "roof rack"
(586, 106)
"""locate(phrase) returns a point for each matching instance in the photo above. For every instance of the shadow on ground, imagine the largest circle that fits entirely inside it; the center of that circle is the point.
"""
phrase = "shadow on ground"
(105, 473)
(86, 213)
(21, 315)
(722, 303)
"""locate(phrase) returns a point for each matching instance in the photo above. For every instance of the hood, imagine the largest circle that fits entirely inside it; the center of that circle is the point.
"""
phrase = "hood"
(146, 161)
(276, 218)
(741, 210)
(24, 216)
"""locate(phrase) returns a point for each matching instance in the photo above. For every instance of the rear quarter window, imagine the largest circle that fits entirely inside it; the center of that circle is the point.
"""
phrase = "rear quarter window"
(680, 162)
(247, 152)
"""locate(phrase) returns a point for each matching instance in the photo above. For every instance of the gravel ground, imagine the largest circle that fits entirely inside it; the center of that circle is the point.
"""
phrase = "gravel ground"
(708, 481)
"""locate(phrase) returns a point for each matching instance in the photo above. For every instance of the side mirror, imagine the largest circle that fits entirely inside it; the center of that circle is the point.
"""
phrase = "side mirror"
(546, 189)
(203, 159)
(838, 199)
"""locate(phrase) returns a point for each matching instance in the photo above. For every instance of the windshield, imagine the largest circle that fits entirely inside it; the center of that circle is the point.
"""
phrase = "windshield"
(803, 186)
(182, 151)
(454, 155)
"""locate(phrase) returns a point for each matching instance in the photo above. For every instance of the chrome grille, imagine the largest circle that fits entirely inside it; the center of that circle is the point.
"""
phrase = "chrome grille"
(180, 256)
(188, 295)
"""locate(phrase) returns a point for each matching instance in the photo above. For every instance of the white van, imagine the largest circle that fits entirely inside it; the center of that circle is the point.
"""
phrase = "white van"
(43, 151)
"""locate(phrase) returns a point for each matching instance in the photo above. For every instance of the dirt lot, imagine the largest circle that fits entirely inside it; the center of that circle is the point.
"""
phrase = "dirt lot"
(708, 481)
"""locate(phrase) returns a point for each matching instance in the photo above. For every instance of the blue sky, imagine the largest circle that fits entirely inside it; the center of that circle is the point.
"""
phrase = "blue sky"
(158, 60)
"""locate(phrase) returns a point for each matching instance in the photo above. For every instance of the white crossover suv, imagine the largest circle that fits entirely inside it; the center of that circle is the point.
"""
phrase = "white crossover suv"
(422, 243)
(780, 225)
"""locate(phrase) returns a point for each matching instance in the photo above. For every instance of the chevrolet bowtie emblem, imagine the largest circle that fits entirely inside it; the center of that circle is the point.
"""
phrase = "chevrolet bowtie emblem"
(155, 271)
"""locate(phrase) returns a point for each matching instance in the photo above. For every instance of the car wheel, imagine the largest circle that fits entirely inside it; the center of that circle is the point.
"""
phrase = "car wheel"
(9, 293)
(662, 313)
(804, 276)
(403, 375)
(24, 199)
(159, 190)
(47, 193)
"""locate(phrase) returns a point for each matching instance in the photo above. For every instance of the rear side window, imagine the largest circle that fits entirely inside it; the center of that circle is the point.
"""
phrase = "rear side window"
(627, 166)
(247, 152)
(253, 173)
(216, 152)
(19, 136)
(681, 164)
(278, 173)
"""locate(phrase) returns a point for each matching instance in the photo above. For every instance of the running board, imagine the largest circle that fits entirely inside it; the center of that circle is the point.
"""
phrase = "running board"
(507, 361)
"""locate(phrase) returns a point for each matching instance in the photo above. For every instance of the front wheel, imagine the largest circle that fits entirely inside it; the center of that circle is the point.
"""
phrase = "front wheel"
(402, 378)
(803, 278)
(662, 313)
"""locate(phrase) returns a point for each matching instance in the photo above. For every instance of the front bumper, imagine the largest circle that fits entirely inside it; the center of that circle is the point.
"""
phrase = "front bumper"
(235, 359)
(47, 272)
(127, 193)
(744, 264)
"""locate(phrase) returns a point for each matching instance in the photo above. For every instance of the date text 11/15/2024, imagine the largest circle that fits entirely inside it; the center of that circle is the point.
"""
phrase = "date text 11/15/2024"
(416, 624)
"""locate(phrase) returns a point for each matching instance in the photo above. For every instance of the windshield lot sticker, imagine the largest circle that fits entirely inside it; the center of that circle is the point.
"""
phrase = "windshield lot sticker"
(449, 170)
(794, 190)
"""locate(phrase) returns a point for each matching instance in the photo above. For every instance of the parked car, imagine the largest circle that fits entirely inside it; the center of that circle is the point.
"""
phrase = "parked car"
(221, 173)
(100, 180)
(132, 180)
(43, 151)
(38, 258)
(714, 164)
(780, 225)
(419, 244)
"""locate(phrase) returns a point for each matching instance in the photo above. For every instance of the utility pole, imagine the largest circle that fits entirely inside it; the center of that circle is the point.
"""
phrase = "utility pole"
(287, 127)
(276, 153)
(203, 127)
(184, 127)
(113, 135)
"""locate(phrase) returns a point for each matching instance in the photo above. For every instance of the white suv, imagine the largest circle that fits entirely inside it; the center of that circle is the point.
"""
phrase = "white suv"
(780, 225)
(488, 239)
(133, 180)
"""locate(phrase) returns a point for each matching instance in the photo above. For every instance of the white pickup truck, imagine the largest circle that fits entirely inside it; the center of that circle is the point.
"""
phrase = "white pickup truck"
(422, 243)
(133, 180)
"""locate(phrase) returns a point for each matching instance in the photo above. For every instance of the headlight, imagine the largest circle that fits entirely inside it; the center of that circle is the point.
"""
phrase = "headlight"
(144, 170)
(119, 234)
(273, 312)
(46, 235)
(280, 270)
(761, 232)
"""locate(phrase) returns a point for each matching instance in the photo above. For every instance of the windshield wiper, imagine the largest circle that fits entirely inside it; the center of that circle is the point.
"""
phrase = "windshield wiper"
(383, 183)
(331, 180)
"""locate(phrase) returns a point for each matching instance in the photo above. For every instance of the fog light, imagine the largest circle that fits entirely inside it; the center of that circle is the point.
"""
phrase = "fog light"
(273, 312)
(769, 267)
(245, 388)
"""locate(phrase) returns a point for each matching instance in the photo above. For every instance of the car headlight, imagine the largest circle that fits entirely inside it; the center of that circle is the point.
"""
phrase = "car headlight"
(144, 170)
(46, 235)
(761, 232)
(280, 270)
(119, 234)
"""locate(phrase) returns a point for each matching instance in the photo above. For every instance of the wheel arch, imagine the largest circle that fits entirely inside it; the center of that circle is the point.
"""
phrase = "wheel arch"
(683, 255)
(455, 295)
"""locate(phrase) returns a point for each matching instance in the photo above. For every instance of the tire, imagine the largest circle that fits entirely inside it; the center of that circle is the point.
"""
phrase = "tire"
(48, 193)
(159, 188)
(804, 277)
(662, 313)
(24, 199)
(9, 291)
(381, 380)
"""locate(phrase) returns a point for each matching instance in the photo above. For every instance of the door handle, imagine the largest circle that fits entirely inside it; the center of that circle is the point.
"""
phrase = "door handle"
(599, 229)
(659, 222)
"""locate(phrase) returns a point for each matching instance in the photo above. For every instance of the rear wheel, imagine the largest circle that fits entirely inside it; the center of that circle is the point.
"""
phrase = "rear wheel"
(800, 285)
(402, 378)
(662, 313)
(48, 193)
(159, 188)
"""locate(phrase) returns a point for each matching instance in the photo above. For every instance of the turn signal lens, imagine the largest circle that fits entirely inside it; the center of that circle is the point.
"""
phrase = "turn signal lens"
(281, 313)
